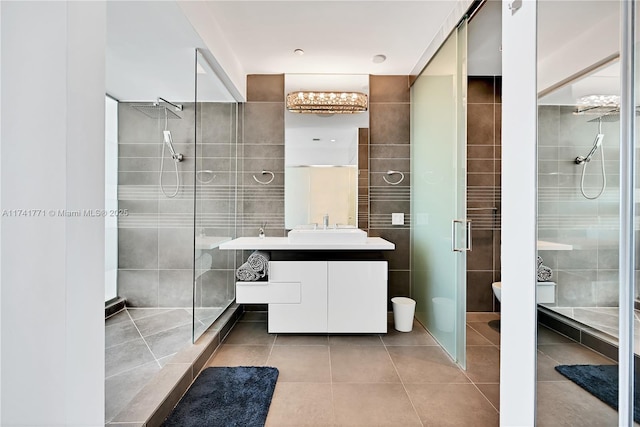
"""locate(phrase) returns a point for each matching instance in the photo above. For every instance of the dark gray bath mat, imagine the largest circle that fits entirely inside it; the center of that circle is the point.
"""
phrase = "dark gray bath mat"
(226, 397)
(602, 382)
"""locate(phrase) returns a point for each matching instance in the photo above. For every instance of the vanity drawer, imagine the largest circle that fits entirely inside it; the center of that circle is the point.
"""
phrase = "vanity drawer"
(268, 292)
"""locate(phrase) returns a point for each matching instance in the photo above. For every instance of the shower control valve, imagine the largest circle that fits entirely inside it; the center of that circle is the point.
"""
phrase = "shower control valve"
(177, 157)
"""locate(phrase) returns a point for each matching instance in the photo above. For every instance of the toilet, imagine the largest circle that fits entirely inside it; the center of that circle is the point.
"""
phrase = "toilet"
(545, 292)
(497, 289)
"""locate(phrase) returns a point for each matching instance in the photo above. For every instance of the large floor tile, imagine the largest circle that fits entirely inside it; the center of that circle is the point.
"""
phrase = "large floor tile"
(355, 340)
(124, 357)
(150, 325)
(479, 316)
(546, 369)
(486, 331)
(362, 364)
(120, 332)
(240, 355)
(139, 313)
(301, 363)
(301, 404)
(121, 388)
(120, 316)
(547, 336)
(299, 339)
(170, 341)
(483, 364)
(475, 338)
(373, 405)
(452, 405)
(491, 392)
(566, 404)
(425, 364)
(417, 336)
(250, 333)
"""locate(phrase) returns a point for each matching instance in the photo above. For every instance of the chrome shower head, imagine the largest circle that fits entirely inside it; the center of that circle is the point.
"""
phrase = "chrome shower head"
(156, 111)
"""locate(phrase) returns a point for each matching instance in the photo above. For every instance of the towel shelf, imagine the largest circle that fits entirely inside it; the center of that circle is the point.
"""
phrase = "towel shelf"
(268, 293)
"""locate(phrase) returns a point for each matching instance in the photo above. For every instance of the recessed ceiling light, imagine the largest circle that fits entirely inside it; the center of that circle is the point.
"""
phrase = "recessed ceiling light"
(379, 58)
(299, 52)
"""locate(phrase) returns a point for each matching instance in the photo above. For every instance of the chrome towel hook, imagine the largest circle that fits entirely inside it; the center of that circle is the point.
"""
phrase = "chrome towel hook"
(265, 182)
(389, 173)
(200, 174)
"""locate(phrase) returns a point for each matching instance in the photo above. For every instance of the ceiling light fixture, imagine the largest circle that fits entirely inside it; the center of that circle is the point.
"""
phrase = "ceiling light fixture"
(326, 102)
(597, 104)
(377, 59)
(299, 52)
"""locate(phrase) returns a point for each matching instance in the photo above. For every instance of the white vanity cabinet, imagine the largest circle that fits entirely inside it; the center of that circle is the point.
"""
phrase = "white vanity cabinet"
(320, 287)
(335, 297)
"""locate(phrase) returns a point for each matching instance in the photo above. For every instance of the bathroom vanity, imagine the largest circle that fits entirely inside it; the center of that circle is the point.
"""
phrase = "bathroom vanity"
(324, 286)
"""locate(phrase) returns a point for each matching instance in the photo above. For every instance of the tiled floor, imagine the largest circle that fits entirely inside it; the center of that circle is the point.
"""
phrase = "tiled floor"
(139, 342)
(560, 402)
(397, 379)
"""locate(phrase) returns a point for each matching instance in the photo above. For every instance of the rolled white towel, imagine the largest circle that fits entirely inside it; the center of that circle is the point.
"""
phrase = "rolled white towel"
(544, 273)
(245, 273)
(259, 262)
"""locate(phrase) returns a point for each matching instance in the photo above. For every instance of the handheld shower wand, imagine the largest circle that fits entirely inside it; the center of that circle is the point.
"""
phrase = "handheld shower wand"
(167, 140)
(596, 144)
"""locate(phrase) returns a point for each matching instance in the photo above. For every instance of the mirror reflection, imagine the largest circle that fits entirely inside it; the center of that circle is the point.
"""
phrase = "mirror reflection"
(321, 156)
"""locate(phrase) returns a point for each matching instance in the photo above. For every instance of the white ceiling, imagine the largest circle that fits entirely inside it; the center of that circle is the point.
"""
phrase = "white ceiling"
(338, 37)
(150, 44)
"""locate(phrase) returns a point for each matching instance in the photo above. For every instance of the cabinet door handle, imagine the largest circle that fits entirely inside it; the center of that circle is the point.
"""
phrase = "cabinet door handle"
(469, 234)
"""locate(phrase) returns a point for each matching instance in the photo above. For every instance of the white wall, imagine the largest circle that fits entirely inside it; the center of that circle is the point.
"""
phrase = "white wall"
(52, 362)
(518, 252)
(111, 199)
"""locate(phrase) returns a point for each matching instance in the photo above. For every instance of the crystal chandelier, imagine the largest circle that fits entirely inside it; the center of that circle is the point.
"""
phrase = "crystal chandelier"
(326, 102)
(597, 104)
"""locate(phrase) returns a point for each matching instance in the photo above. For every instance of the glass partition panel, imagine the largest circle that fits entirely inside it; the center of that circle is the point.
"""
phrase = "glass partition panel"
(579, 181)
(438, 195)
(214, 183)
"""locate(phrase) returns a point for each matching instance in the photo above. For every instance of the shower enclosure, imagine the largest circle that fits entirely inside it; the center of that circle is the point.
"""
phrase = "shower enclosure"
(587, 217)
(576, 209)
(176, 187)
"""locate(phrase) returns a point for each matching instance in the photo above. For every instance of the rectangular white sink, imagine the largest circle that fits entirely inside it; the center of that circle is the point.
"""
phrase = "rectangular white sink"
(330, 235)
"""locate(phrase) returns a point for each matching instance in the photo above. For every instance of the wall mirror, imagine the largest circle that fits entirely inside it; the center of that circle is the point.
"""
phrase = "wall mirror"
(321, 155)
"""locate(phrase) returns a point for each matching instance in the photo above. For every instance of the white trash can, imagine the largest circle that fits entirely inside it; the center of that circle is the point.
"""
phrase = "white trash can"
(403, 311)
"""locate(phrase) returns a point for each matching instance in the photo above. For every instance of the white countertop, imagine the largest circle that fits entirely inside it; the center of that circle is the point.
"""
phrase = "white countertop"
(282, 244)
(552, 246)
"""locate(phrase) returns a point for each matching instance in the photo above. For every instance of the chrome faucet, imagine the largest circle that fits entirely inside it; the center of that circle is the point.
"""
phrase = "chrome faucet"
(325, 221)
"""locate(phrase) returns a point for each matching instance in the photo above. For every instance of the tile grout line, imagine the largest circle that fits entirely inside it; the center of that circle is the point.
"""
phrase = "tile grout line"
(145, 341)
(402, 381)
(464, 371)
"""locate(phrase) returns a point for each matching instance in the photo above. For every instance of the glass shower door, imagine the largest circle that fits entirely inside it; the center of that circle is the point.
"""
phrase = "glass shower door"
(441, 235)
(214, 184)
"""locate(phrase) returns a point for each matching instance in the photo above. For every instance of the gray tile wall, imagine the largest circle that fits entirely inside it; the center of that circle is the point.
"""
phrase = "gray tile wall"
(483, 190)
(261, 147)
(389, 134)
(586, 276)
(155, 239)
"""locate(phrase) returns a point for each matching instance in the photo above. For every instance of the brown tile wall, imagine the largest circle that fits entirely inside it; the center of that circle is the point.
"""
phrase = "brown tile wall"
(483, 190)
(389, 134)
(261, 146)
